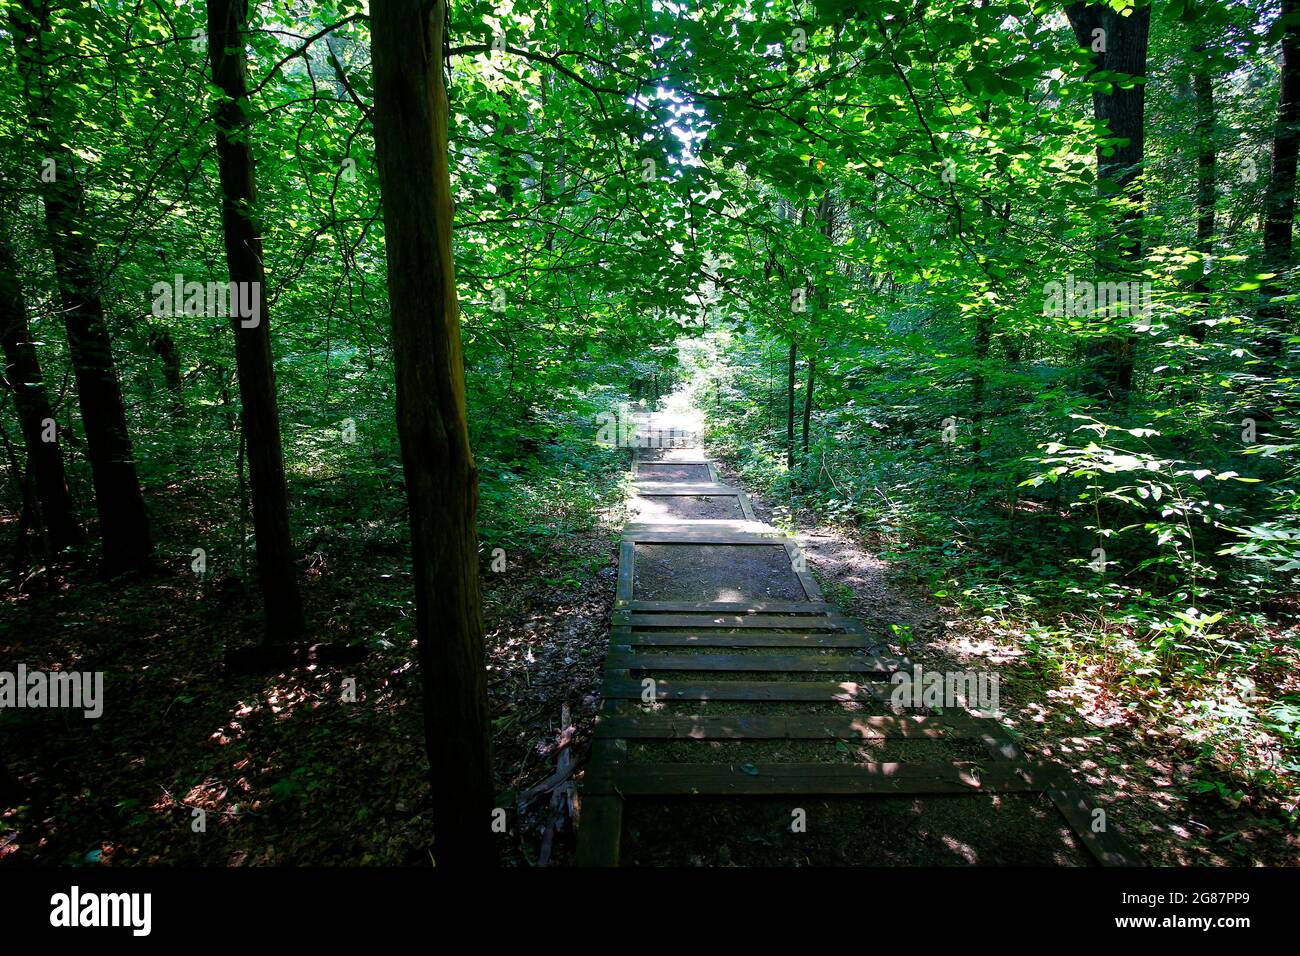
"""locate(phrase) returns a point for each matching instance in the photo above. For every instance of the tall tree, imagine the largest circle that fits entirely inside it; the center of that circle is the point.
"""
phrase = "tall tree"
(1118, 42)
(22, 374)
(1206, 160)
(260, 415)
(410, 120)
(123, 520)
(1279, 197)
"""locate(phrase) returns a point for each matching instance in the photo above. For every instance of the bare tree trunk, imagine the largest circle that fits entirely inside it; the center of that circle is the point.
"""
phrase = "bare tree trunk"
(22, 373)
(277, 573)
(123, 520)
(1123, 50)
(1279, 198)
(410, 120)
(789, 407)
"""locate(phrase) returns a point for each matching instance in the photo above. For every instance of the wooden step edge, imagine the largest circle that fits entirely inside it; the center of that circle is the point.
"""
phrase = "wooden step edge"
(627, 659)
(811, 779)
(641, 726)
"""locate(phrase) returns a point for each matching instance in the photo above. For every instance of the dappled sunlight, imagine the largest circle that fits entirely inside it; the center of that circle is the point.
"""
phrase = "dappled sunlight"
(738, 435)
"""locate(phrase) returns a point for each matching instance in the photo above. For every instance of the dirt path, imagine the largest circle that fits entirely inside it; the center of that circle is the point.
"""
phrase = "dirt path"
(746, 720)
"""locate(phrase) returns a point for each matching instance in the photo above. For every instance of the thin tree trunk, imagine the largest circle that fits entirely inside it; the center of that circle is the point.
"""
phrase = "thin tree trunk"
(983, 340)
(1279, 198)
(277, 574)
(22, 373)
(789, 408)
(410, 121)
(1119, 168)
(808, 397)
(1203, 83)
(123, 520)
(164, 346)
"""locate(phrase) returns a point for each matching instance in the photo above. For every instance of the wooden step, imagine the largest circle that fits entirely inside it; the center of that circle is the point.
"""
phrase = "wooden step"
(705, 536)
(794, 663)
(726, 527)
(751, 638)
(630, 688)
(765, 621)
(734, 607)
(764, 727)
(811, 779)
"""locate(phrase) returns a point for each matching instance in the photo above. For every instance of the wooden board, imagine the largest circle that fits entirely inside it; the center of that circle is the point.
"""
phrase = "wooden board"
(686, 535)
(628, 688)
(736, 607)
(808, 779)
(765, 621)
(633, 530)
(626, 568)
(794, 663)
(1106, 846)
(751, 638)
(600, 828)
(772, 727)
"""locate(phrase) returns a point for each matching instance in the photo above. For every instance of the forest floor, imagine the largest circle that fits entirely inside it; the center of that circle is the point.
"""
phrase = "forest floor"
(288, 771)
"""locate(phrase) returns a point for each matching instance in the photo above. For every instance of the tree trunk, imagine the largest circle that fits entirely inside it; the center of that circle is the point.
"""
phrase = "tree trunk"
(789, 408)
(1124, 38)
(1279, 198)
(22, 373)
(164, 346)
(983, 340)
(808, 397)
(260, 417)
(123, 520)
(410, 120)
(1203, 84)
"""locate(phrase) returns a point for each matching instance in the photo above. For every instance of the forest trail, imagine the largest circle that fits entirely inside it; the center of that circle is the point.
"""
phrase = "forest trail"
(729, 676)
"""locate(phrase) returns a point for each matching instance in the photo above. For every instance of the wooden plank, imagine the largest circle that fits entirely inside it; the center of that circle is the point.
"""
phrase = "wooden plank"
(736, 607)
(765, 727)
(752, 638)
(719, 526)
(600, 828)
(794, 663)
(626, 566)
(747, 506)
(810, 588)
(630, 688)
(767, 621)
(703, 536)
(600, 816)
(668, 779)
(1107, 847)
